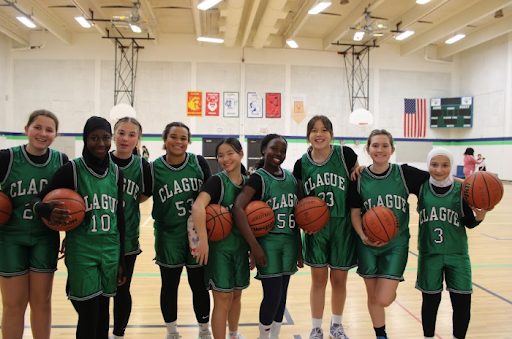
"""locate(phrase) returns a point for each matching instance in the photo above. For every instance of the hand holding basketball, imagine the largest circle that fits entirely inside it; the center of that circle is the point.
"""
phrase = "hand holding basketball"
(380, 225)
(311, 214)
(260, 217)
(5, 208)
(68, 212)
(482, 190)
(218, 222)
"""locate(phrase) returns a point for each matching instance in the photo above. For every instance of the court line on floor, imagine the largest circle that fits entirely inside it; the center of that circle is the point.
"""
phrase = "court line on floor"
(481, 287)
(412, 315)
(287, 317)
(495, 238)
(145, 222)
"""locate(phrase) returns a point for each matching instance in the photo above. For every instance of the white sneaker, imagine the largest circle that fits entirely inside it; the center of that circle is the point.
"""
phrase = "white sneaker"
(316, 333)
(336, 332)
(205, 335)
(238, 336)
(173, 336)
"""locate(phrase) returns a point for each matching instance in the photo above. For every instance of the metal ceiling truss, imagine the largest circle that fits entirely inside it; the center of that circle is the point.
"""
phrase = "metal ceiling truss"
(357, 65)
(126, 61)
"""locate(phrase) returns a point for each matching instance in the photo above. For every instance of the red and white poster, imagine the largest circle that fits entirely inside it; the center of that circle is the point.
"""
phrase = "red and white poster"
(194, 104)
(273, 105)
(212, 104)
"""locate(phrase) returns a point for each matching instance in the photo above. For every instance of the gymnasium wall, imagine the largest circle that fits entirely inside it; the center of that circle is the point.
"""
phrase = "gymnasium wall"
(77, 81)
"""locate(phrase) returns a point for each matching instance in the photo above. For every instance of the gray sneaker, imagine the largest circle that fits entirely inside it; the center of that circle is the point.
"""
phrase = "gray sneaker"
(173, 336)
(316, 333)
(205, 335)
(336, 332)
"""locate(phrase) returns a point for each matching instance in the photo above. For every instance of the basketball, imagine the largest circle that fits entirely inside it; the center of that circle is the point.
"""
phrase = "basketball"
(311, 214)
(218, 222)
(482, 190)
(380, 224)
(71, 201)
(5, 208)
(260, 217)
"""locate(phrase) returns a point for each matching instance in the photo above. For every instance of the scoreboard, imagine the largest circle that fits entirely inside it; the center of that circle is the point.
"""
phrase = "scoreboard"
(451, 112)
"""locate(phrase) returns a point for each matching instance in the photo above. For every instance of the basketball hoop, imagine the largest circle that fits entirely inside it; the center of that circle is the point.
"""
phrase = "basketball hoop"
(122, 110)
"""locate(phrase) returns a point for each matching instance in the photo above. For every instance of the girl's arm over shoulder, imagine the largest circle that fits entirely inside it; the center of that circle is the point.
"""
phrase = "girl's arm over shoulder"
(414, 178)
(297, 173)
(147, 181)
(242, 200)
(205, 167)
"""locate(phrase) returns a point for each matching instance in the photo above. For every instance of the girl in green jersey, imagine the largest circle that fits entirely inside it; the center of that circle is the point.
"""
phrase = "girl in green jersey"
(276, 254)
(382, 265)
(443, 245)
(28, 249)
(127, 133)
(227, 260)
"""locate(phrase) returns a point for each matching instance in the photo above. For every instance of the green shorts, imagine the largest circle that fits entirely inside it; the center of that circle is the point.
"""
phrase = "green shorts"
(172, 248)
(282, 251)
(456, 269)
(21, 252)
(332, 246)
(227, 272)
(93, 263)
(382, 262)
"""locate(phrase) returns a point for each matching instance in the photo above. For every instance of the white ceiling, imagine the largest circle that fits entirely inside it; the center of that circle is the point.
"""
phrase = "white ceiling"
(269, 23)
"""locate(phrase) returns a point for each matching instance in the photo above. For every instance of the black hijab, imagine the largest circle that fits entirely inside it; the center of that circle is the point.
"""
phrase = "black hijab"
(93, 124)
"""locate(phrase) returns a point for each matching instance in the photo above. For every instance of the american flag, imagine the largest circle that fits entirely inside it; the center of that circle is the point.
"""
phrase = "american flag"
(415, 118)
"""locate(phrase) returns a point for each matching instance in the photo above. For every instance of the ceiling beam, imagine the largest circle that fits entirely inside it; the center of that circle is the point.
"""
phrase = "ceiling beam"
(12, 31)
(300, 18)
(355, 16)
(86, 7)
(412, 16)
(41, 17)
(146, 8)
(458, 21)
(250, 21)
(502, 26)
(196, 17)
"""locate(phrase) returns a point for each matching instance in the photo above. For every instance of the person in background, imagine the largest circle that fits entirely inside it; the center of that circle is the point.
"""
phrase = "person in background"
(481, 166)
(145, 153)
(470, 162)
(28, 249)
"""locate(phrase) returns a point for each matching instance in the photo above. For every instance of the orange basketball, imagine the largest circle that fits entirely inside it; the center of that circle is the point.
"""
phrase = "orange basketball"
(482, 190)
(5, 208)
(71, 201)
(380, 224)
(218, 222)
(260, 217)
(311, 214)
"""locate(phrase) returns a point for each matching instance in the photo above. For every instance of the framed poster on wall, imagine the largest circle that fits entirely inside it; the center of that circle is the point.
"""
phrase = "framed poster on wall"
(231, 106)
(273, 105)
(254, 105)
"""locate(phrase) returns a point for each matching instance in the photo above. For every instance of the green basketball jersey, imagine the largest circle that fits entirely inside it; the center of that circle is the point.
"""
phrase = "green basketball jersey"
(23, 181)
(280, 193)
(228, 193)
(174, 191)
(442, 229)
(327, 180)
(100, 197)
(133, 185)
(389, 191)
